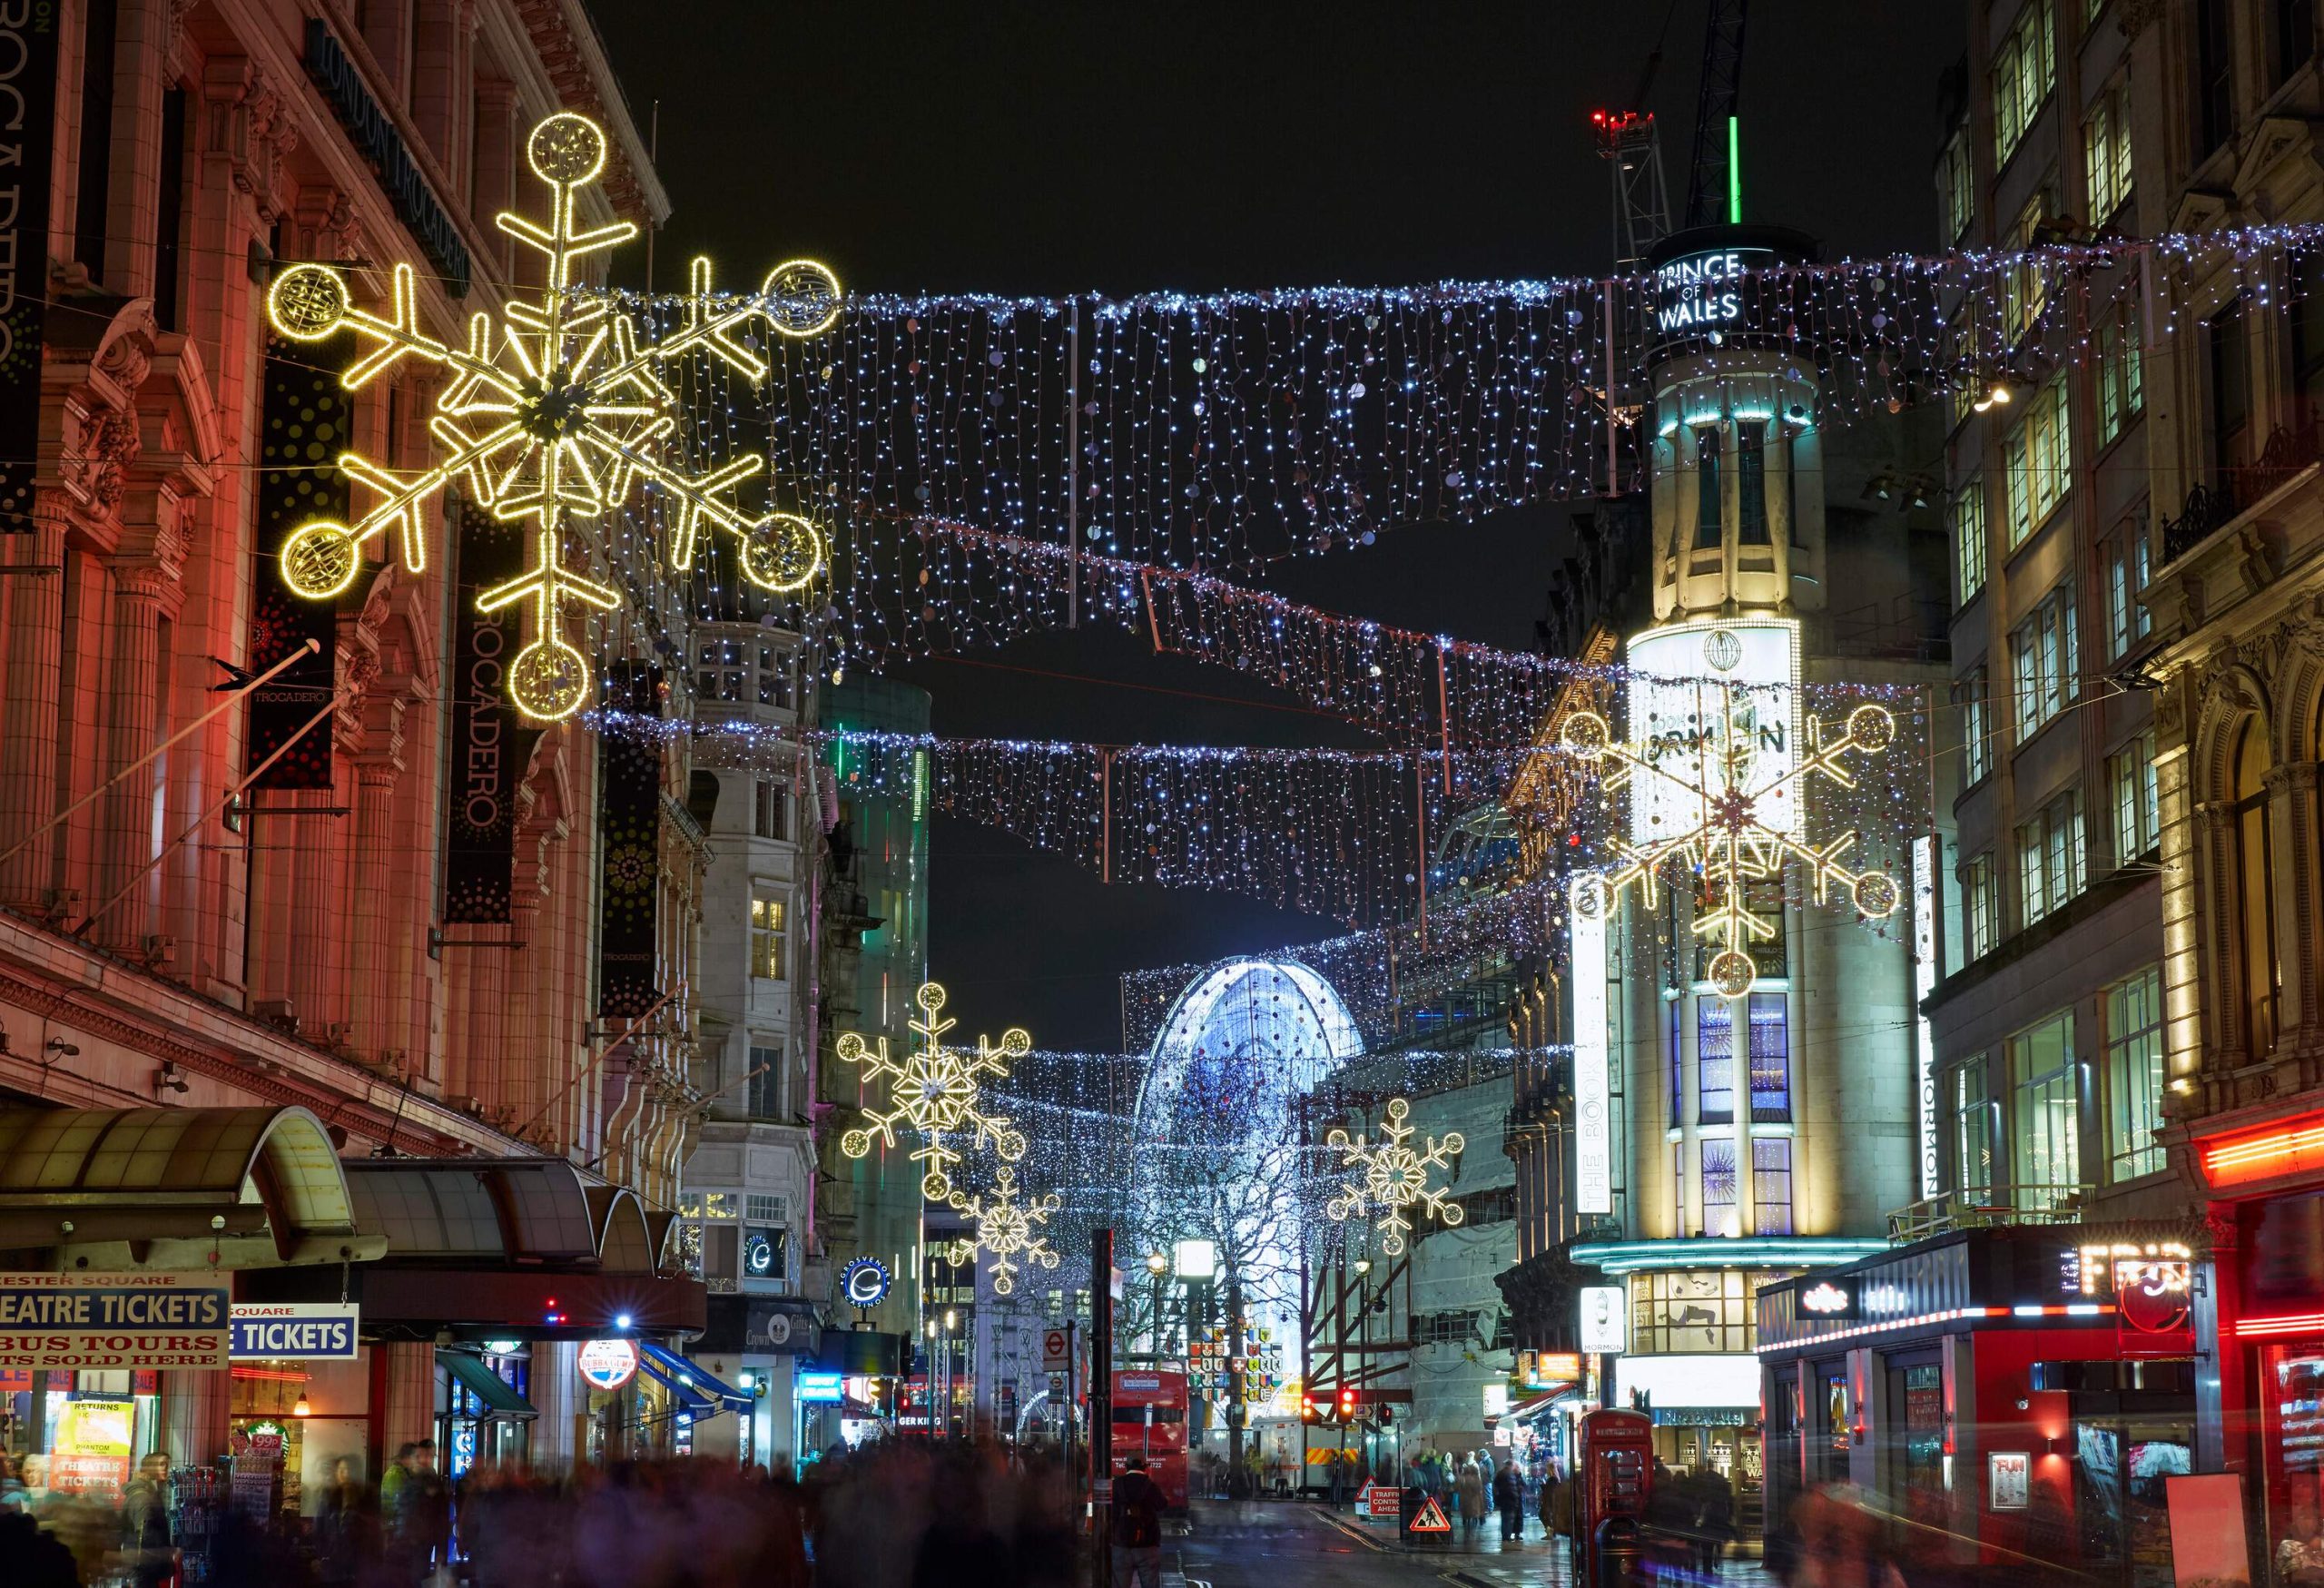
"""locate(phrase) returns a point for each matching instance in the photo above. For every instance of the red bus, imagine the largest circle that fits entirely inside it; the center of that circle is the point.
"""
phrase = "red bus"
(1150, 1421)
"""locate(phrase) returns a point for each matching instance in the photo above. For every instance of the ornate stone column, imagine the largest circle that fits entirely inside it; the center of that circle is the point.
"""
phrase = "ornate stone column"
(28, 739)
(145, 589)
(373, 1011)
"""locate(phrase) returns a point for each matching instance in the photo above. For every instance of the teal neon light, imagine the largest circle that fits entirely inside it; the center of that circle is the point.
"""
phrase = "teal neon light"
(1734, 171)
(1632, 1256)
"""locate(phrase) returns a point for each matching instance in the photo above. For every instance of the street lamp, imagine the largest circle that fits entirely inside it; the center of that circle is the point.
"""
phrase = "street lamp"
(1157, 1266)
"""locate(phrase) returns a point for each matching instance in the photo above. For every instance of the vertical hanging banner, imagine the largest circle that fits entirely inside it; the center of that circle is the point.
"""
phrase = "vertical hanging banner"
(489, 744)
(629, 835)
(27, 139)
(304, 416)
(1593, 1125)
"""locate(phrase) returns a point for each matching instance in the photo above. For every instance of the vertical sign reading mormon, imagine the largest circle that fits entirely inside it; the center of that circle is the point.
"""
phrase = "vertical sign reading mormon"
(27, 140)
(489, 744)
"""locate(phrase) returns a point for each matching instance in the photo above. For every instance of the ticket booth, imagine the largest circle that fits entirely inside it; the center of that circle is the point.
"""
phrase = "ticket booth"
(1617, 1479)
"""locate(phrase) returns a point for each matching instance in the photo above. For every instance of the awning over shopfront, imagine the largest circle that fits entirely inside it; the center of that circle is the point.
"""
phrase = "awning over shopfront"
(499, 1396)
(685, 1378)
(501, 1249)
(125, 1189)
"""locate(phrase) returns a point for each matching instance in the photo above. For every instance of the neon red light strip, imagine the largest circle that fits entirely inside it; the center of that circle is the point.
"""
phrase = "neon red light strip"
(2298, 1323)
(2255, 1150)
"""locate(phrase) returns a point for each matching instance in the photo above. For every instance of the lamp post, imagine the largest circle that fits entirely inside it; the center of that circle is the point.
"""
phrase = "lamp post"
(930, 1375)
(1157, 1265)
(952, 1322)
(1363, 1345)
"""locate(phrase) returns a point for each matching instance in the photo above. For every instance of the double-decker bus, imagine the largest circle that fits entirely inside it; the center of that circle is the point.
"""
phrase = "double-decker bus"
(1150, 1421)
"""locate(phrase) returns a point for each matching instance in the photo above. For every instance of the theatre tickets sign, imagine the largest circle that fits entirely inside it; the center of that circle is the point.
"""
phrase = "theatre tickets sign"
(108, 1321)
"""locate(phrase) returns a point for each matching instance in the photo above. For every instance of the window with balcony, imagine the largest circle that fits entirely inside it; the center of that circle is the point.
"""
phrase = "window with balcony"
(2130, 776)
(2050, 867)
(1980, 914)
(770, 809)
(2230, 391)
(1976, 730)
(2134, 1075)
(1706, 491)
(2128, 622)
(1957, 187)
(1770, 1059)
(765, 1088)
(2213, 64)
(2025, 288)
(2121, 390)
(744, 671)
(1714, 1060)
(2255, 894)
(1969, 538)
(2045, 663)
(2046, 1148)
(768, 935)
(2024, 68)
(2037, 456)
(2106, 153)
(1969, 1097)
(1771, 1185)
(1751, 482)
(1718, 1189)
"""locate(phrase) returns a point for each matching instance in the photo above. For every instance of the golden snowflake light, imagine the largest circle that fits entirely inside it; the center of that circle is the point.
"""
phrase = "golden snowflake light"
(552, 417)
(1005, 1229)
(1394, 1177)
(1730, 835)
(935, 1093)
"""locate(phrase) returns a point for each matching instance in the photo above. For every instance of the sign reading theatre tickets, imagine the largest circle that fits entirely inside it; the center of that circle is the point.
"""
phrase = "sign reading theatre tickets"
(103, 1322)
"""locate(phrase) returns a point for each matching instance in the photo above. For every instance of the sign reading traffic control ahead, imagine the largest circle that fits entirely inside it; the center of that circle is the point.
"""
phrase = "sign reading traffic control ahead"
(110, 1321)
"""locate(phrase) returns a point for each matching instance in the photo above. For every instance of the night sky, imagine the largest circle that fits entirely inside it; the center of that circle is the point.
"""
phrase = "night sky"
(1121, 148)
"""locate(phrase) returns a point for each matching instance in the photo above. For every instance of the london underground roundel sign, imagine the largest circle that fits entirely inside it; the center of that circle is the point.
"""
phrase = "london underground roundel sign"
(608, 1364)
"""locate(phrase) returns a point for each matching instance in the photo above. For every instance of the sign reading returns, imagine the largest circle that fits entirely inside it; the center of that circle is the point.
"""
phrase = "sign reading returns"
(102, 1321)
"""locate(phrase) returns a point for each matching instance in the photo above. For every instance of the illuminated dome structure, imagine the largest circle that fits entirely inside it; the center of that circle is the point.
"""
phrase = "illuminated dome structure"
(1215, 1153)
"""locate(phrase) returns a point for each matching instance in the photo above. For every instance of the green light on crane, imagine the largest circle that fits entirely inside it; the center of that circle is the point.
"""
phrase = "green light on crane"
(1734, 171)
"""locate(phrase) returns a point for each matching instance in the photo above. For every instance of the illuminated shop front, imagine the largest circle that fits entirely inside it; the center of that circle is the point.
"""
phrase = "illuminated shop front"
(2266, 1320)
(2025, 1391)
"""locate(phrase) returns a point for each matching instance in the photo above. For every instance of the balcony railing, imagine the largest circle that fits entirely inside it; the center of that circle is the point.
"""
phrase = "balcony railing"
(2211, 506)
(1979, 1209)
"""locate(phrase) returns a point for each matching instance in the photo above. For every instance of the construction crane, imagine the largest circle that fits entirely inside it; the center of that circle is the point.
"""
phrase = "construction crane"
(1713, 186)
(1632, 149)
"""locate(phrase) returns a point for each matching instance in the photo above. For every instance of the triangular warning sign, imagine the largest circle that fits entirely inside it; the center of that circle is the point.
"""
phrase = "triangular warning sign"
(1431, 1517)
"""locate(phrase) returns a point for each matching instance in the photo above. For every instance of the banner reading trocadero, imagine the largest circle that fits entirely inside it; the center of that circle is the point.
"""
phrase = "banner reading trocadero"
(111, 1321)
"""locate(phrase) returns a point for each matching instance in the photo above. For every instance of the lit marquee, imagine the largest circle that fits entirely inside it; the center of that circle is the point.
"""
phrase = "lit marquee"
(552, 417)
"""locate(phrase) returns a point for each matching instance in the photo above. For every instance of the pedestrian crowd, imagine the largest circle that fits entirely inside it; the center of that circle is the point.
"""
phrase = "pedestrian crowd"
(892, 1515)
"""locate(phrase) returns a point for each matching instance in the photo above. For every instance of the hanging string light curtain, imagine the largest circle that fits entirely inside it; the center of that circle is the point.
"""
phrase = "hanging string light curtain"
(1221, 431)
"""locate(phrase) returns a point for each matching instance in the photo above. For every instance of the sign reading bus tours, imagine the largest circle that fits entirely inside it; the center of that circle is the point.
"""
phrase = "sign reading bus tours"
(110, 1321)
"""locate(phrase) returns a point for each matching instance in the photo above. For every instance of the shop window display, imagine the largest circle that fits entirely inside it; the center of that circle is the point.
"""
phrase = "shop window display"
(2291, 1382)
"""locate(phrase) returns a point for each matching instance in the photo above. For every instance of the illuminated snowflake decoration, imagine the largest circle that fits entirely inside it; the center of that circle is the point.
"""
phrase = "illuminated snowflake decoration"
(935, 1093)
(1731, 845)
(1005, 1228)
(552, 417)
(1394, 1177)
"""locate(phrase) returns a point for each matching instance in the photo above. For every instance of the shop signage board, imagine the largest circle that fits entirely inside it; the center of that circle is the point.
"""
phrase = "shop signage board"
(90, 1452)
(821, 1387)
(296, 1331)
(608, 1365)
(1604, 1317)
(95, 1321)
(2009, 1478)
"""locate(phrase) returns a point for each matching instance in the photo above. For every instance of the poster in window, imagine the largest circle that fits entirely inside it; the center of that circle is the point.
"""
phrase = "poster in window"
(2008, 1478)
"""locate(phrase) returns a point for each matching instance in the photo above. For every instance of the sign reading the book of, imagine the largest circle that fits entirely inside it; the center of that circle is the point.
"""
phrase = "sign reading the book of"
(27, 140)
(111, 1321)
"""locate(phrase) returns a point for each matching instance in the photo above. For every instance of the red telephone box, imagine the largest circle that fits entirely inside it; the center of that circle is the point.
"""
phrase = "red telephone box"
(1615, 1480)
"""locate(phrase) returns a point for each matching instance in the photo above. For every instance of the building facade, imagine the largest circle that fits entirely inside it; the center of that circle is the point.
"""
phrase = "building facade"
(364, 903)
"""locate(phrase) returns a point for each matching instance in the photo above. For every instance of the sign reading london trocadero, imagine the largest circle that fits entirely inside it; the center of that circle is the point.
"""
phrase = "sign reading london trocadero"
(104, 1321)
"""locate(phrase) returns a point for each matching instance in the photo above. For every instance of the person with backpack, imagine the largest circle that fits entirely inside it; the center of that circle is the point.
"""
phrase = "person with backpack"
(1137, 1528)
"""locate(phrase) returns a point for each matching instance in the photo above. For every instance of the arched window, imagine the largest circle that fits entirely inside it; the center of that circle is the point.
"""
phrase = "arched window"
(2255, 899)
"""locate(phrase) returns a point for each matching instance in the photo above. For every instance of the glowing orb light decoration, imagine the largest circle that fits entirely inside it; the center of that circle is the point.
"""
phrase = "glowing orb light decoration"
(552, 417)
(936, 1092)
(1716, 773)
(1005, 1228)
(1394, 1177)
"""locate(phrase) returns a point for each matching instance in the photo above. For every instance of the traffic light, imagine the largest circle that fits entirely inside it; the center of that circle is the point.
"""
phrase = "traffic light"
(1308, 1412)
(1347, 1405)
